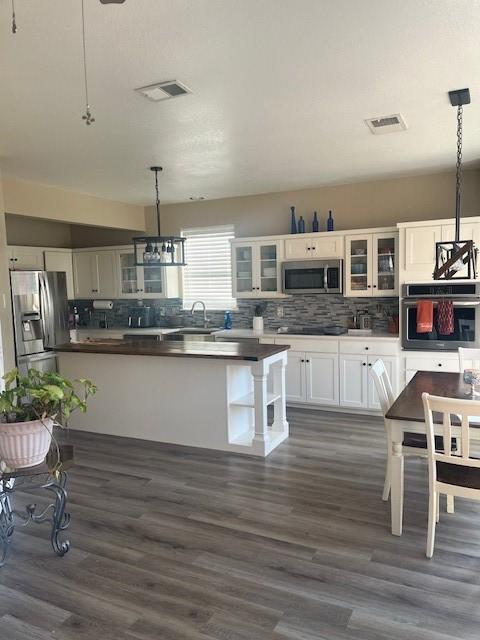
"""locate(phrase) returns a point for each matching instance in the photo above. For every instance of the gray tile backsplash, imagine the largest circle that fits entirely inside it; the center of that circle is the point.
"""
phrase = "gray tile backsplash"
(315, 310)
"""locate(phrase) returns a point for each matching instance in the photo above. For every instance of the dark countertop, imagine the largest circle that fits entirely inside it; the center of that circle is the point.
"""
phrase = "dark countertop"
(216, 350)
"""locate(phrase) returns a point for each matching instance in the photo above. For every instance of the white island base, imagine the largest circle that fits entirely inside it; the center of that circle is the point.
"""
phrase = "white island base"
(193, 401)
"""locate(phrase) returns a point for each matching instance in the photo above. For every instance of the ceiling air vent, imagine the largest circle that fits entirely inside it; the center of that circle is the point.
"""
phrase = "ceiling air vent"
(163, 90)
(386, 124)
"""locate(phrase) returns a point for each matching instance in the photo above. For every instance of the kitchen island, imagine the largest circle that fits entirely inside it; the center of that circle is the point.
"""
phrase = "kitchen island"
(199, 394)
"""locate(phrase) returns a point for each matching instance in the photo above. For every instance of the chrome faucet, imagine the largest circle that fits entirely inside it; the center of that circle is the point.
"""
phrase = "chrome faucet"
(206, 320)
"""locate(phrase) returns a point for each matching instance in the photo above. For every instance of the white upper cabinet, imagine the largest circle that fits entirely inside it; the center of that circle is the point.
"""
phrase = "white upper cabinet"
(256, 269)
(371, 267)
(417, 243)
(25, 258)
(95, 274)
(420, 250)
(61, 260)
(324, 246)
(154, 281)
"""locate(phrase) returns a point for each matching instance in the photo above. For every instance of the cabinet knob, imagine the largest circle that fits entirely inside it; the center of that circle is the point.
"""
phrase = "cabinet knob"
(302, 360)
(369, 286)
(307, 360)
(364, 364)
(308, 248)
(374, 286)
(369, 364)
(366, 348)
(439, 364)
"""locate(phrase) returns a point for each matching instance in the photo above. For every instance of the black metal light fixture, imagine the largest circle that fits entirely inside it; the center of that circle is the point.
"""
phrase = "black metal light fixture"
(453, 258)
(168, 251)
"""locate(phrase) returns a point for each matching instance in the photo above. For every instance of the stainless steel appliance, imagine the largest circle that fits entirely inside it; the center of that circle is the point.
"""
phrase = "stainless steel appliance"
(465, 298)
(40, 317)
(141, 317)
(312, 276)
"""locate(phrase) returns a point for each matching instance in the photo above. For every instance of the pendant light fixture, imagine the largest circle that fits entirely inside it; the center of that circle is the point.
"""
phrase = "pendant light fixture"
(457, 259)
(14, 19)
(169, 251)
(87, 116)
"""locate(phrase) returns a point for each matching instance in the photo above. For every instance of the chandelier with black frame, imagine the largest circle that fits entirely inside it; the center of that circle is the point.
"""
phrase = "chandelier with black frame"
(168, 251)
(457, 260)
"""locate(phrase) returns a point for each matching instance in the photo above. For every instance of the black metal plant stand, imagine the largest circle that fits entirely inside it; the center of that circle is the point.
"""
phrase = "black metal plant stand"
(34, 478)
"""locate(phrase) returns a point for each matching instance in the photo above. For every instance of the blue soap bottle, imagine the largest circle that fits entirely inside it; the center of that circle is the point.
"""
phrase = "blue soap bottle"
(227, 321)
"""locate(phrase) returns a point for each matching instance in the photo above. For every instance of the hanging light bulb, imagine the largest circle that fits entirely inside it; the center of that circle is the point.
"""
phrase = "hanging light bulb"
(156, 257)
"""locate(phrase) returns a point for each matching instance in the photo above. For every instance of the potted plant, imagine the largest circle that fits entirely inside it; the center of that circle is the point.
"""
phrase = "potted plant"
(30, 406)
(260, 309)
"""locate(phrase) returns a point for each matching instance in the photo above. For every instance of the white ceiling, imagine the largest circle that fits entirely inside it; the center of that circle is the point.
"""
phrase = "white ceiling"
(280, 92)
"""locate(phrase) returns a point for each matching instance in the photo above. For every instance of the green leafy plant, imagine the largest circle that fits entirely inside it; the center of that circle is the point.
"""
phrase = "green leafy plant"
(40, 395)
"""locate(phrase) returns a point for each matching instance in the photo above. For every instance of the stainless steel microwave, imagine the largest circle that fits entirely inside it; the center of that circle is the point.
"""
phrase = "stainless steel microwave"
(312, 276)
(465, 298)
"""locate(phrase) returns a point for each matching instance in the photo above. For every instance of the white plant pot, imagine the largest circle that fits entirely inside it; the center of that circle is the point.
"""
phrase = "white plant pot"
(257, 324)
(25, 444)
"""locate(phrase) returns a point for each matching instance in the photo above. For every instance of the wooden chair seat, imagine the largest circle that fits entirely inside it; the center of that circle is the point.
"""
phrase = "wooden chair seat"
(460, 476)
(419, 441)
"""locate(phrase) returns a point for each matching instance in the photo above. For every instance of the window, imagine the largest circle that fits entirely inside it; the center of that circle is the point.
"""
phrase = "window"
(208, 274)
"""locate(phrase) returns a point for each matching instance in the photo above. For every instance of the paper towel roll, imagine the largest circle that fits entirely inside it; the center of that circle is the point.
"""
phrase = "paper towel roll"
(103, 304)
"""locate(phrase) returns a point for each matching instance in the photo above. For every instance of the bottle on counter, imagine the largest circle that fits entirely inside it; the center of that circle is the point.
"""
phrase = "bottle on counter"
(227, 321)
(293, 222)
(315, 222)
(330, 221)
(301, 225)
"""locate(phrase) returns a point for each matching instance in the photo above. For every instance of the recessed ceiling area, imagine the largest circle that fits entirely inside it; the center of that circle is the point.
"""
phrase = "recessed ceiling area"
(280, 89)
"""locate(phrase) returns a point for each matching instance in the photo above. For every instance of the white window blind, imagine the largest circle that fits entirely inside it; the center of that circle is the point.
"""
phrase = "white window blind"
(208, 274)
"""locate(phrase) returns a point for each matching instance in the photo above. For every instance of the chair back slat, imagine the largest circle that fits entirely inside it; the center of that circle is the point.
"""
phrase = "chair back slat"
(468, 358)
(383, 386)
(462, 411)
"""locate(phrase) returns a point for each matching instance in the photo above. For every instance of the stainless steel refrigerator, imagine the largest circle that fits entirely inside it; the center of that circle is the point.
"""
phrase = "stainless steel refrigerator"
(40, 317)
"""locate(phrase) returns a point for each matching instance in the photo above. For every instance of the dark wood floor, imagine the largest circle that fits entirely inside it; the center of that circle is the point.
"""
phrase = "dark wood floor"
(182, 544)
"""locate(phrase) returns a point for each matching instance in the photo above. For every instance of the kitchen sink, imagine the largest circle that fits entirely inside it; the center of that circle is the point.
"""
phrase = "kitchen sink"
(193, 334)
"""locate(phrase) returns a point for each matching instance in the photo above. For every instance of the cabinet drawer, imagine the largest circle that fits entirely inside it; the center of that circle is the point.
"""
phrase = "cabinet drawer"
(309, 344)
(368, 347)
(429, 363)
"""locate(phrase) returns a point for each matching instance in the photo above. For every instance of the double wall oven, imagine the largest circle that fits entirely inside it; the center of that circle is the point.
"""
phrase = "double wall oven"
(465, 299)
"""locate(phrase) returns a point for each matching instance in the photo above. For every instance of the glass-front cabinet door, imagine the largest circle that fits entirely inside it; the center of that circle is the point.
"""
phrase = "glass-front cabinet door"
(268, 264)
(358, 276)
(243, 271)
(152, 280)
(138, 282)
(256, 269)
(129, 280)
(385, 267)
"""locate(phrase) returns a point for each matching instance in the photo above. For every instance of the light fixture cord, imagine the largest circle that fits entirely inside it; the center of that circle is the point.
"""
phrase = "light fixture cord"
(14, 22)
(458, 179)
(157, 202)
(88, 115)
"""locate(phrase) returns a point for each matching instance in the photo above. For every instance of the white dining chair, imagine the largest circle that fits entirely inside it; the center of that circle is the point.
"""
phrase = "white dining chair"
(414, 444)
(468, 358)
(453, 473)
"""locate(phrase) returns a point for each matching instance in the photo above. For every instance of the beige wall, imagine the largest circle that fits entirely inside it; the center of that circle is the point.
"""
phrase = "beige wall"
(355, 206)
(33, 232)
(43, 201)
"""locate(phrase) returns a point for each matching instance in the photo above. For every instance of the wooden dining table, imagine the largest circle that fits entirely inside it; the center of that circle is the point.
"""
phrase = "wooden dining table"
(406, 415)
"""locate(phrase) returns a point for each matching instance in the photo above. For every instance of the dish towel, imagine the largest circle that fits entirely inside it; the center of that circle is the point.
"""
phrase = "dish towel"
(424, 316)
(445, 321)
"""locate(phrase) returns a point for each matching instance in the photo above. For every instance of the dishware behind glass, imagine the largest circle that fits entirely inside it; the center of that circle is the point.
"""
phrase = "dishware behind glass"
(472, 377)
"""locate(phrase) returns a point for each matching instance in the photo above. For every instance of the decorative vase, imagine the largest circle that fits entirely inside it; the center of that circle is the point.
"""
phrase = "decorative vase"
(330, 221)
(315, 222)
(258, 324)
(293, 222)
(25, 444)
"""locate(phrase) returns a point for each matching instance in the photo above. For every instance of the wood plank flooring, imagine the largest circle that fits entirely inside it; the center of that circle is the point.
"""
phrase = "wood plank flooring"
(173, 543)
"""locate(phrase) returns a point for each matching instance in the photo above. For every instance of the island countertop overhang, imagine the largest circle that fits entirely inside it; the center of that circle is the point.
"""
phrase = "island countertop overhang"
(220, 351)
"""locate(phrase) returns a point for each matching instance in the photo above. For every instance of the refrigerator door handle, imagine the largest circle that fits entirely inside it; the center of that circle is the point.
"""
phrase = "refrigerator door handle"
(46, 310)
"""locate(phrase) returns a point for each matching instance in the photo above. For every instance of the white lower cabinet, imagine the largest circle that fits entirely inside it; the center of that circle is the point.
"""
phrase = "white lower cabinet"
(354, 381)
(295, 377)
(312, 377)
(321, 384)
